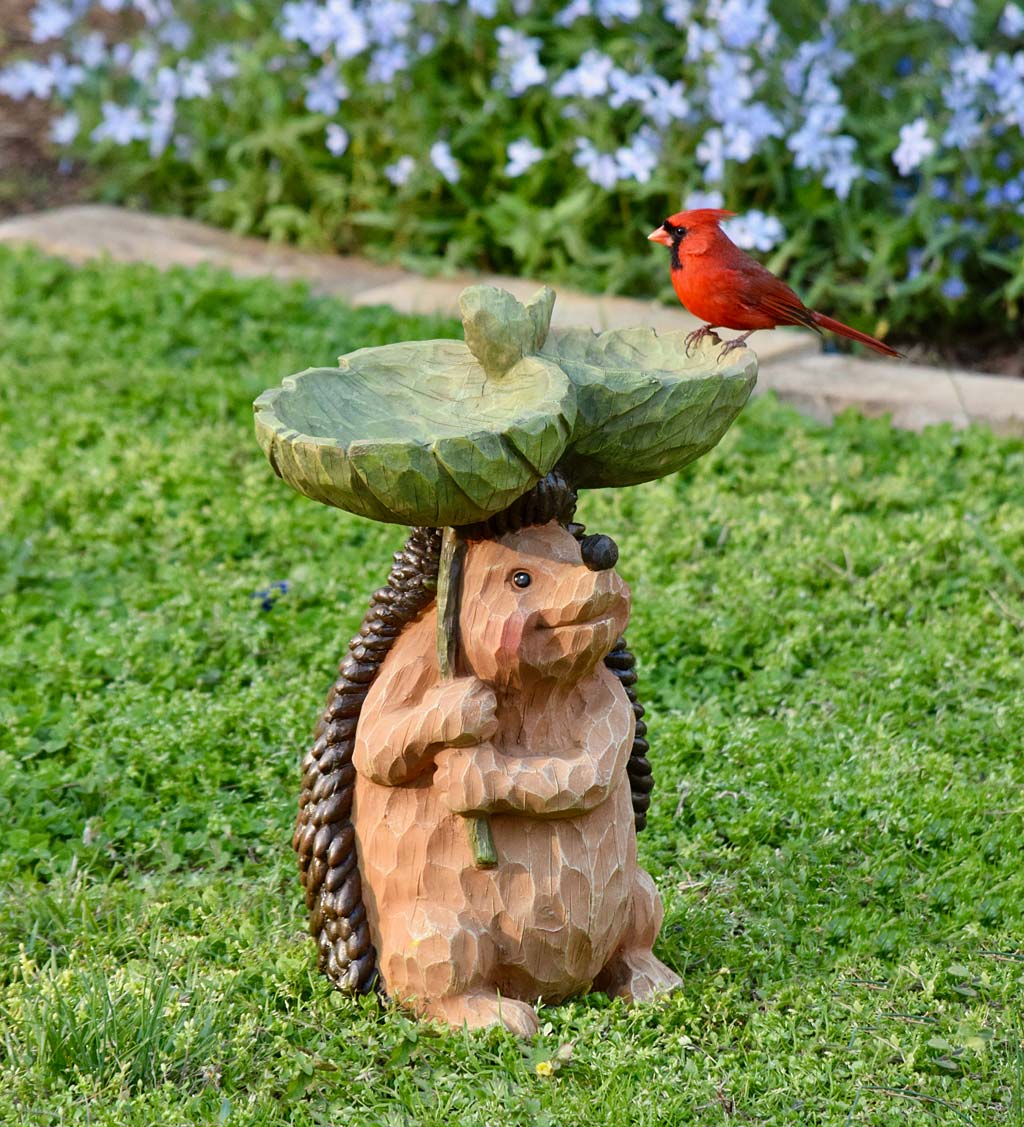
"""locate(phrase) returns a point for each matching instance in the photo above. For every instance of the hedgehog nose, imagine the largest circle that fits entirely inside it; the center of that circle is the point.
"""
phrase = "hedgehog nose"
(599, 552)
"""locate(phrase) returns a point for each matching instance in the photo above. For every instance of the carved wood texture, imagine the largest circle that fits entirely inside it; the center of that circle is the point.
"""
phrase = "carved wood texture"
(536, 734)
(324, 837)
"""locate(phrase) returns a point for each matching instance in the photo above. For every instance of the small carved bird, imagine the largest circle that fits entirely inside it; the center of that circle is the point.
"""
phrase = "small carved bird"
(720, 284)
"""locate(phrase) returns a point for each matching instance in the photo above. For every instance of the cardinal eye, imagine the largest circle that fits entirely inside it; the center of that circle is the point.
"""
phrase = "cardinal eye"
(522, 579)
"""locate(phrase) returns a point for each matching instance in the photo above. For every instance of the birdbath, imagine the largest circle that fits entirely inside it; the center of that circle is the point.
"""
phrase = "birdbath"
(467, 823)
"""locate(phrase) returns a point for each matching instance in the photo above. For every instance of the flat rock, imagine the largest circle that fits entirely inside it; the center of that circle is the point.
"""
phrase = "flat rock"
(915, 396)
(94, 231)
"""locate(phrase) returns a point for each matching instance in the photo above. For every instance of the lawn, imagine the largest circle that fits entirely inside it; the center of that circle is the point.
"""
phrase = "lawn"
(829, 624)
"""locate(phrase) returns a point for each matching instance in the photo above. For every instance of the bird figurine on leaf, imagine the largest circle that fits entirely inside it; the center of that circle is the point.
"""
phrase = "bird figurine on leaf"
(725, 287)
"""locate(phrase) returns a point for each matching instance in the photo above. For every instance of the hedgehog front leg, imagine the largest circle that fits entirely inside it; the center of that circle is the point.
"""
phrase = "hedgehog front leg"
(633, 971)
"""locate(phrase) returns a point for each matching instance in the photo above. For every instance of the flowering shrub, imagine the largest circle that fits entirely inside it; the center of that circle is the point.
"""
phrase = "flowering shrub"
(877, 153)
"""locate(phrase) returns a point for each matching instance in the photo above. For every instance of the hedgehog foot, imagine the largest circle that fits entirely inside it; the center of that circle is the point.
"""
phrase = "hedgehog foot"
(481, 1010)
(638, 976)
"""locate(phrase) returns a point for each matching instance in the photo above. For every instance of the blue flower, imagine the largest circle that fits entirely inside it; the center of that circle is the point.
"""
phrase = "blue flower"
(386, 62)
(325, 91)
(607, 11)
(91, 50)
(161, 126)
(268, 596)
(334, 26)
(588, 79)
(742, 23)
(914, 148)
(915, 262)
(195, 82)
(665, 102)
(175, 33)
(388, 20)
(699, 199)
(954, 288)
(679, 13)
(755, 231)
(572, 12)
(441, 158)
(638, 160)
(220, 64)
(298, 21)
(1011, 22)
(519, 53)
(64, 129)
(120, 124)
(337, 139)
(400, 171)
(905, 66)
(840, 175)
(601, 168)
(30, 79)
(711, 155)
(50, 20)
(144, 62)
(522, 154)
(964, 129)
(626, 87)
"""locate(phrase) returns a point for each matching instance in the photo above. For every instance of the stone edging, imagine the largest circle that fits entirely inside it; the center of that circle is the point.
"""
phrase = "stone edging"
(791, 363)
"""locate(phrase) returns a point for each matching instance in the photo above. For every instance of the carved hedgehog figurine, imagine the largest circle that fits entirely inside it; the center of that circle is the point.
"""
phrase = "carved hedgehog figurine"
(540, 732)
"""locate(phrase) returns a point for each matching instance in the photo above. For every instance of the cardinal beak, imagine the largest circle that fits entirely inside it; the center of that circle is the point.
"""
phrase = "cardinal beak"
(660, 236)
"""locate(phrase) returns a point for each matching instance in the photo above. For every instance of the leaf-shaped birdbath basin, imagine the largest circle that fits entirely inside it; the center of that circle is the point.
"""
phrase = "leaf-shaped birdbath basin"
(418, 433)
(644, 407)
(447, 433)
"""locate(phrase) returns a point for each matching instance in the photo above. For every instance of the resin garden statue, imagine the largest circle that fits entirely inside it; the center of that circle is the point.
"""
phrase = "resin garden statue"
(469, 809)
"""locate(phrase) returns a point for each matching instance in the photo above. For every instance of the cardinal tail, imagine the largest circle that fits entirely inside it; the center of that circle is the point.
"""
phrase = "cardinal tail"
(842, 330)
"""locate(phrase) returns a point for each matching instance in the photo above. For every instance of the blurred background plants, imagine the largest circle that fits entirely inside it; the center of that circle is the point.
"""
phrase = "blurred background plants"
(875, 147)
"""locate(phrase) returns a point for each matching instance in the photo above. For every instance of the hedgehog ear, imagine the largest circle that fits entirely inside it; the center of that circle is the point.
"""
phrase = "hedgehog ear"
(599, 552)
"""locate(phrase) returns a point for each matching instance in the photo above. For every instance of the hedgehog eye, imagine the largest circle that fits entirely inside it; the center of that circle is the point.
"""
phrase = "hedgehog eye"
(522, 579)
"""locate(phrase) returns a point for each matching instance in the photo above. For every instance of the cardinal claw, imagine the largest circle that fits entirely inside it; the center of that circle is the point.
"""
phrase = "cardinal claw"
(731, 345)
(694, 338)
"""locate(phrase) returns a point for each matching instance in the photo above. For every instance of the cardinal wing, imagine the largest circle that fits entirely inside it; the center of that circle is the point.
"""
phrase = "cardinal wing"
(765, 294)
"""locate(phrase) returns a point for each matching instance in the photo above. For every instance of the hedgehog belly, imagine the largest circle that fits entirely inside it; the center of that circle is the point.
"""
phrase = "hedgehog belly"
(565, 886)
(541, 924)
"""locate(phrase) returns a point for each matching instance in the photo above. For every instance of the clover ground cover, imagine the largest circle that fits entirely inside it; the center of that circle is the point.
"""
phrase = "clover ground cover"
(829, 625)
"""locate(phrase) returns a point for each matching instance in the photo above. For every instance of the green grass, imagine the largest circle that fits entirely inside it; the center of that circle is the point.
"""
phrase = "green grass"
(829, 623)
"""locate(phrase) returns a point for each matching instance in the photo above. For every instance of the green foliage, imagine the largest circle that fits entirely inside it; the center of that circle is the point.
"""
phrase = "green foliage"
(828, 623)
(267, 120)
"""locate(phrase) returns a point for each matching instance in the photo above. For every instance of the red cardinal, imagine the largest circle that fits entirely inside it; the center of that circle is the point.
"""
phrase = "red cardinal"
(722, 285)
